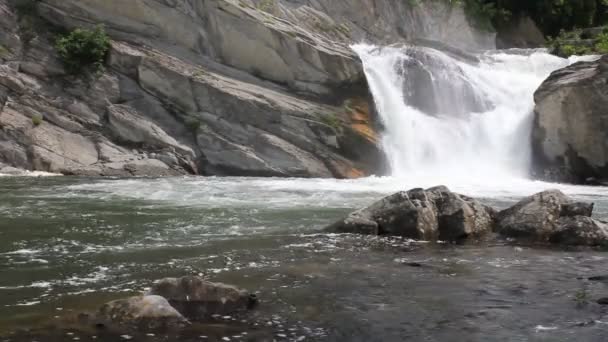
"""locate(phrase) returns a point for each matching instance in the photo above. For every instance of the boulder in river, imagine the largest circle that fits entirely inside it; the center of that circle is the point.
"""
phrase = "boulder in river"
(141, 313)
(580, 230)
(198, 299)
(551, 216)
(435, 213)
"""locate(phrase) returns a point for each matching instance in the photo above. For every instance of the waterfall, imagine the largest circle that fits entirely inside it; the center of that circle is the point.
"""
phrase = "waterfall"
(449, 116)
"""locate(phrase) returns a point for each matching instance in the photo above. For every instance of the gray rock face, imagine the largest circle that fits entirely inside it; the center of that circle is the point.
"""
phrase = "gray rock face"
(551, 216)
(435, 213)
(389, 21)
(520, 32)
(198, 299)
(570, 133)
(141, 313)
(207, 87)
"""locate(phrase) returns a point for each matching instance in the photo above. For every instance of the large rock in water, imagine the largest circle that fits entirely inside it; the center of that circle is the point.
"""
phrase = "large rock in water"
(570, 134)
(435, 213)
(198, 299)
(551, 216)
(141, 313)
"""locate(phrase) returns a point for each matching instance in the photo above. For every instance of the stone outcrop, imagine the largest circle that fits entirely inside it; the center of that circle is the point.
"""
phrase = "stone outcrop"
(551, 216)
(206, 87)
(570, 133)
(198, 299)
(519, 32)
(432, 214)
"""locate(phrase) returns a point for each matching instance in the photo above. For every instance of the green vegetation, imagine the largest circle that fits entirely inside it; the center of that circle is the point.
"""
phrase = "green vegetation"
(552, 16)
(580, 42)
(268, 6)
(4, 51)
(83, 49)
(331, 120)
(193, 124)
(37, 120)
(582, 297)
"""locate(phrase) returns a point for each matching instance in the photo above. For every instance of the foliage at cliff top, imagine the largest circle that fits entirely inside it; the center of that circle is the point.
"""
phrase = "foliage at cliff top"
(83, 49)
(552, 16)
(580, 42)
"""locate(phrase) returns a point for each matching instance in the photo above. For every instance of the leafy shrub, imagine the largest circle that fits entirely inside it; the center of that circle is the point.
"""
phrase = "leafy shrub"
(82, 49)
(580, 42)
(601, 43)
(268, 6)
(193, 124)
(37, 120)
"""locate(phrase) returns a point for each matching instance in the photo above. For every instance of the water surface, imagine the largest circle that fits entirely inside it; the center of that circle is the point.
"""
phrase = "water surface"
(69, 244)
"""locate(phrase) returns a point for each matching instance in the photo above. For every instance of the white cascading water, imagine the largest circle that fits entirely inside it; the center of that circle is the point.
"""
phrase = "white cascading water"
(452, 119)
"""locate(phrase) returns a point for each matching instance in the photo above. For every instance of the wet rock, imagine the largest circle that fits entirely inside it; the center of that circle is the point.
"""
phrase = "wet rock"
(551, 216)
(460, 216)
(534, 217)
(141, 313)
(199, 299)
(435, 213)
(603, 301)
(580, 230)
(577, 209)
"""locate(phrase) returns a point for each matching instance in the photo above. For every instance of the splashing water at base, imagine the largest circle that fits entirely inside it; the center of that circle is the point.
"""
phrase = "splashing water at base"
(454, 119)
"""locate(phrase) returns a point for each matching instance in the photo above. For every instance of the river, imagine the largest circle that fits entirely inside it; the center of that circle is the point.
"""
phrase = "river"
(70, 244)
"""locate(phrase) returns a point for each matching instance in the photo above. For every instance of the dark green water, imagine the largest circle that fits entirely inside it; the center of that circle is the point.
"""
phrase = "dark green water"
(68, 245)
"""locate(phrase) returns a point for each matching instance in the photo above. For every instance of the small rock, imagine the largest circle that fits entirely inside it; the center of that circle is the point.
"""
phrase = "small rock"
(198, 299)
(141, 312)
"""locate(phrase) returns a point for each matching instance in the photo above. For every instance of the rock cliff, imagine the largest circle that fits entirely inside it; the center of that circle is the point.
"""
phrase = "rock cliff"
(214, 87)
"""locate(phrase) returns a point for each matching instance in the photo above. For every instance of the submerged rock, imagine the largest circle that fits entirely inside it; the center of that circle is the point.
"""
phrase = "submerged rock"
(435, 213)
(198, 299)
(141, 313)
(551, 216)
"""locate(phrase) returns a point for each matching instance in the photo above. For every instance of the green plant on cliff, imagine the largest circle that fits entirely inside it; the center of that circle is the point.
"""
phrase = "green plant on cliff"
(601, 42)
(83, 49)
(3, 51)
(331, 120)
(193, 124)
(37, 120)
(268, 6)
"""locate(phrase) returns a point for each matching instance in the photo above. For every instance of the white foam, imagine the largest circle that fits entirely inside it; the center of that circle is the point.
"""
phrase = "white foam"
(490, 147)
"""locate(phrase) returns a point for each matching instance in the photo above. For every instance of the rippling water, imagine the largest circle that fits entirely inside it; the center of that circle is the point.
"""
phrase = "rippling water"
(70, 244)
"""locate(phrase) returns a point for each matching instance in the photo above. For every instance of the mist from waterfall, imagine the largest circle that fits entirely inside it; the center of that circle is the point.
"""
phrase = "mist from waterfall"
(452, 117)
